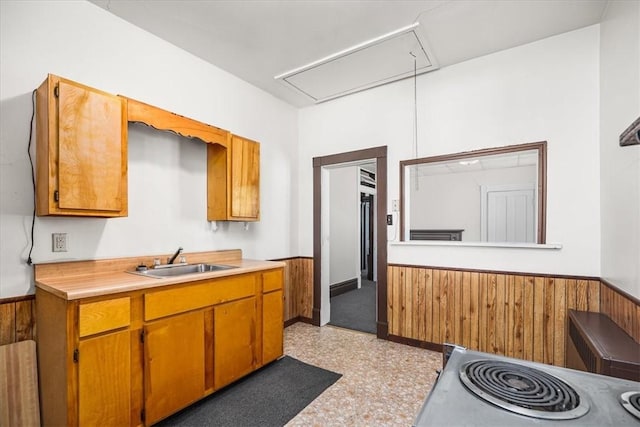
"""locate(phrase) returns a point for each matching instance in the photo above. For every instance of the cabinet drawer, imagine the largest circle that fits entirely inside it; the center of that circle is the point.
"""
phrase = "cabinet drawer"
(100, 316)
(271, 280)
(204, 294)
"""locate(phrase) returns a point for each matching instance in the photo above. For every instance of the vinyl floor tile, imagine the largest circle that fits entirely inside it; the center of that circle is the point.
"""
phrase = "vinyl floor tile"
(382, 384)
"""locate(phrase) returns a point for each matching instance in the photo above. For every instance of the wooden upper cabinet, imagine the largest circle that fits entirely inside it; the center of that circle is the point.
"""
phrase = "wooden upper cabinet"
(218, 157)
(233, 181)
(233, 162)
(245, 179)
(81, 154)
(81, 150)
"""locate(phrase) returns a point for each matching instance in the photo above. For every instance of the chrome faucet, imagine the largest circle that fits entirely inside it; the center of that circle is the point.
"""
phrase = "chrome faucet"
(173, 258)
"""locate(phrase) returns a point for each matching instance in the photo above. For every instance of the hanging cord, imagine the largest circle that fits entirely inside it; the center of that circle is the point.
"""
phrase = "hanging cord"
(33, 175)
(415, 105)
(414, 171)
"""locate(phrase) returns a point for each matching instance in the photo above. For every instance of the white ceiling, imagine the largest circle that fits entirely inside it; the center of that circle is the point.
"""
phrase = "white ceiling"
(257, 40)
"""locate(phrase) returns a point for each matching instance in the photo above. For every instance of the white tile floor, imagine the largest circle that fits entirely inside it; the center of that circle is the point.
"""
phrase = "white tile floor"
(382, 384)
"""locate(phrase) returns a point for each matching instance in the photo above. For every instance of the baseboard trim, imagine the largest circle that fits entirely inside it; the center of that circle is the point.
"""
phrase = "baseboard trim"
(415, 343)
(306, 320)
(298, 319)
(343, 287)
(291, 321)
(382, 330)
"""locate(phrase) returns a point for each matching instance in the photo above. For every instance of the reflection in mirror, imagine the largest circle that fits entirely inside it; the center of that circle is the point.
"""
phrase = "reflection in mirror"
(495, 195)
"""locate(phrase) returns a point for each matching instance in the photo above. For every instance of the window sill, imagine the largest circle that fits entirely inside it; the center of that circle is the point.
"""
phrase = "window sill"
(478, 244)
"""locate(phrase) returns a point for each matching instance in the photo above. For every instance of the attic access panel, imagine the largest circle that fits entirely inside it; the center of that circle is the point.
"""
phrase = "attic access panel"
(373, 63)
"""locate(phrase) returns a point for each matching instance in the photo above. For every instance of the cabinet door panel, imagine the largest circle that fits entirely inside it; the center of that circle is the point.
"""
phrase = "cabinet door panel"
(272, 326)
(234, 326)
(174, 364)
(104, 380)
(90, 149)
(245, 178)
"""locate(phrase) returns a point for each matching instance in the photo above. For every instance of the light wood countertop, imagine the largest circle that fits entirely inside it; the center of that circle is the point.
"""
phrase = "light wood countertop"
(84, 279)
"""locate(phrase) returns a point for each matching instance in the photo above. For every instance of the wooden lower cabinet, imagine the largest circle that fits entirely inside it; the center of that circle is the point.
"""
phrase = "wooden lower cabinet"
(272, 315)
(107, 361)
(104, 380)
(173, 364)
(234, 340)
(272, 321)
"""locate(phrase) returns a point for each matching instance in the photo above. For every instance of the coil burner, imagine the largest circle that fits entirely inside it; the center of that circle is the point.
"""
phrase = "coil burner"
(523, 390)
(631, 402)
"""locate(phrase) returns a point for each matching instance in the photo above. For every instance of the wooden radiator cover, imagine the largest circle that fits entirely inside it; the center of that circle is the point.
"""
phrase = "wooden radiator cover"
(596, 344)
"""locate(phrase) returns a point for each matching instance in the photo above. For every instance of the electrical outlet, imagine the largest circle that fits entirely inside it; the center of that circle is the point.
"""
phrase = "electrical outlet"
(59, 242)
(395, 205)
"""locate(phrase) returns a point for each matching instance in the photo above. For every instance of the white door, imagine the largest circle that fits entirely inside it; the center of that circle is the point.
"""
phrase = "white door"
(508, 214)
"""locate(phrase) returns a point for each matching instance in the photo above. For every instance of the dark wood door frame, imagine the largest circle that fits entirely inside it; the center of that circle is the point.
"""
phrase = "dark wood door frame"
(380, 156)
(371, 234)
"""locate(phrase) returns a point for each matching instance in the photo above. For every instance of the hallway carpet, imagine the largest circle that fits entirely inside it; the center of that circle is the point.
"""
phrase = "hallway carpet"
(356, 309)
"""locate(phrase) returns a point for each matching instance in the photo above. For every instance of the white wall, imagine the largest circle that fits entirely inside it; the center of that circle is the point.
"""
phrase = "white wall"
(344, 216)
(620, 166)
(548, 90)
(167, 174)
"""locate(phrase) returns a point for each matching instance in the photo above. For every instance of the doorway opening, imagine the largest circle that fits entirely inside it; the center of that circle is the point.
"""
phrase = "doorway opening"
(350, 244)
(376, 266)
(367, 204)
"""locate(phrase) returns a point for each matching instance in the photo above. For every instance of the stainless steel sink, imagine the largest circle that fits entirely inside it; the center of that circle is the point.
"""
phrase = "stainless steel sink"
(180, 270)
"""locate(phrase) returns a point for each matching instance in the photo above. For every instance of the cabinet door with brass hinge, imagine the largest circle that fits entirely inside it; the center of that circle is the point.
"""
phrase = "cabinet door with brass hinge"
(272, 326)
(81, 144)
(104, 379)
(235, 341)
(174, 372)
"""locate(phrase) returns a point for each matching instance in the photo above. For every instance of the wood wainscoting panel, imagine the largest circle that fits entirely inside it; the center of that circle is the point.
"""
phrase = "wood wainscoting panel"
(304, 279)
(559, 324)
(298, 288)
(291, 289)
(471, 308)
(17, 319)
(622, 308)
(511, 314)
